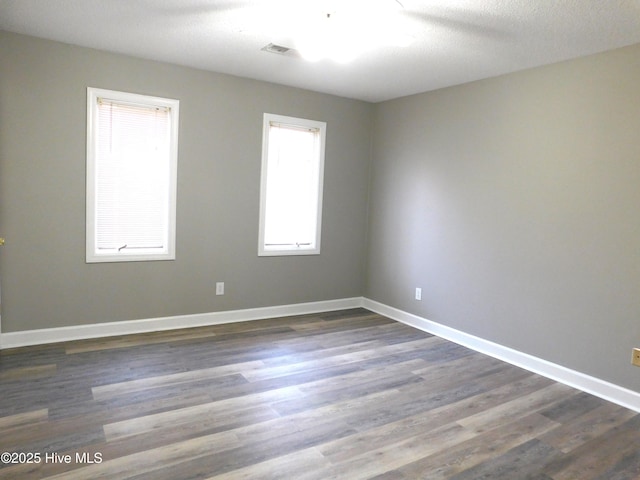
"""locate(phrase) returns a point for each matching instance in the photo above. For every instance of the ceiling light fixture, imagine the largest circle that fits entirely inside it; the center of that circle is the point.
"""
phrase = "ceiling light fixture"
(352, 28)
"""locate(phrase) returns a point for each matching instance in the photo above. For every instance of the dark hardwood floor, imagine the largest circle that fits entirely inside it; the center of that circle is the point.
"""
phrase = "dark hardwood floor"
(342, 395)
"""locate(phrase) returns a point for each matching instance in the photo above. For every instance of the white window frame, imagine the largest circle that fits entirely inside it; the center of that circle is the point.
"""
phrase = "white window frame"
(313, 247)
(168, 250)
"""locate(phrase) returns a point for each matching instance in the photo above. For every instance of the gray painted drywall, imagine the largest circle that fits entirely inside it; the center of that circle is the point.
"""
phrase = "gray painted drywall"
(45, 280)
(514, 203)
(511, 202)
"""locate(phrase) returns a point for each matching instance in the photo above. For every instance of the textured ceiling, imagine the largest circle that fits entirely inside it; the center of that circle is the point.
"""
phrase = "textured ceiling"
(454, 41)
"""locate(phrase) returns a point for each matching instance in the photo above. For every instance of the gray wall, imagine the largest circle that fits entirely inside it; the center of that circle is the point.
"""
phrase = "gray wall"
(514, 203)
(45, 281)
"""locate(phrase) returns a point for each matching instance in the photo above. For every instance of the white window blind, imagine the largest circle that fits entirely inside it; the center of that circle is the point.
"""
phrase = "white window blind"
(131, 165)
(291, 190)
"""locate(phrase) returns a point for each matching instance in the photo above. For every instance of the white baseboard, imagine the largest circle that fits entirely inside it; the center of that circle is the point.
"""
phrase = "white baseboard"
(110, 329)
(595, 386)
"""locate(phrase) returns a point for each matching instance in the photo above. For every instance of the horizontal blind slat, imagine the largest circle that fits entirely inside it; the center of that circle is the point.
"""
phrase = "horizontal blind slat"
(132, 166)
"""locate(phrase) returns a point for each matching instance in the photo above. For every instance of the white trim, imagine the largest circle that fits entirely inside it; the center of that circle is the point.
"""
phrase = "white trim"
(168, 250)
(595, 386)
(572, 378)
(82, 332)
(313, 248)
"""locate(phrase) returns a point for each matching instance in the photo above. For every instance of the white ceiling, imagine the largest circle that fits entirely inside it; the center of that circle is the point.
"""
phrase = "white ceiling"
(455, 41)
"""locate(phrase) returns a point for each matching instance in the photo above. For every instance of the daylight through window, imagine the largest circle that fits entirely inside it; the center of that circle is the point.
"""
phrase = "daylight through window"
(131, 176)
(291, 188)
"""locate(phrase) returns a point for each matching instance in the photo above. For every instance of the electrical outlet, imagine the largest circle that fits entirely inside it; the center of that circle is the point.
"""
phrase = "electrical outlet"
(635, 357)
(418, 293)
(219, 288)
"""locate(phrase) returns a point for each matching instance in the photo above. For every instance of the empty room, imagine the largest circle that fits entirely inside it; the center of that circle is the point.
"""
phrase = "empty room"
(384, 239)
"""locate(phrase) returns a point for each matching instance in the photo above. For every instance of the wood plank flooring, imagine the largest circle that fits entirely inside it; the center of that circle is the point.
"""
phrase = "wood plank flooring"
(341, 395)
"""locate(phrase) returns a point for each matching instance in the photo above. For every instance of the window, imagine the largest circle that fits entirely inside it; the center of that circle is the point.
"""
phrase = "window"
(132, 146)
(291, 186)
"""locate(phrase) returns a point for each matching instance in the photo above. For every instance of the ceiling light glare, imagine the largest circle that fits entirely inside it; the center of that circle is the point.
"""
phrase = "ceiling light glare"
(399, 39)
(343, 34)
(330, 37)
